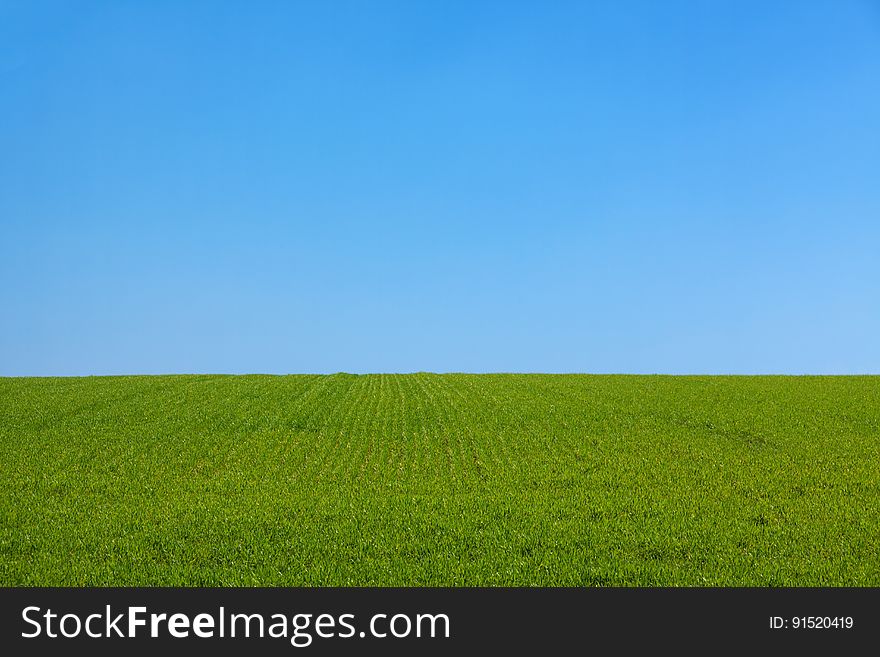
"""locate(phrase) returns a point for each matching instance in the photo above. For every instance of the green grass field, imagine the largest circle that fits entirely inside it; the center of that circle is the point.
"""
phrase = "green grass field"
(430, 479)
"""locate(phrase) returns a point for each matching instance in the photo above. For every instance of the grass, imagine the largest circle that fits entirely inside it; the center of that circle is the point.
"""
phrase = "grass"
(428, 479)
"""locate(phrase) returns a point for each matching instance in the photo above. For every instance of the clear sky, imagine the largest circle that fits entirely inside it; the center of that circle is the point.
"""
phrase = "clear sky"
(675, 187)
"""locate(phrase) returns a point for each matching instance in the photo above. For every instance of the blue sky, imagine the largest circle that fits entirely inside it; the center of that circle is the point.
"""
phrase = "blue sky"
(676, 187)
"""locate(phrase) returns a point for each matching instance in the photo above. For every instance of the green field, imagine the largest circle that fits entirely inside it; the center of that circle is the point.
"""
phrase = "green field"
(428, 479)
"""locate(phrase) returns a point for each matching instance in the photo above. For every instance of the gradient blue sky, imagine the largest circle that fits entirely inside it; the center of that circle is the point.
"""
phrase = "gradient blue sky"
(678, 187)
